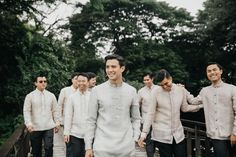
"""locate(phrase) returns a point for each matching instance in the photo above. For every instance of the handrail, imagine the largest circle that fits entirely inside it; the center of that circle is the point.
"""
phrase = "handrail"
(17, 144)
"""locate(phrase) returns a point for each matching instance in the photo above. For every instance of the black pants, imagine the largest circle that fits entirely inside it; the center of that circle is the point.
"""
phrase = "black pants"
(150, 148)
(78, 146)
(36, 138)
(69, 152)
(222, 148)
(170, 150)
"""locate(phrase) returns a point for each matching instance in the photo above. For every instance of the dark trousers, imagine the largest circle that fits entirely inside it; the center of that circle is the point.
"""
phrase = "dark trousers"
(78, 146)
(150, 148)
(69, 152)
(36, 138)
(170, 150)
(222, 148)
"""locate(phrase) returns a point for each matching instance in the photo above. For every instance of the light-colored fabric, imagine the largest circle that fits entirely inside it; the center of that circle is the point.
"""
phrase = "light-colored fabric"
(164, 114)
(144, 98)
(113, 121)
(220, 110)
(76, 112)
(65, 93)
(41, 110)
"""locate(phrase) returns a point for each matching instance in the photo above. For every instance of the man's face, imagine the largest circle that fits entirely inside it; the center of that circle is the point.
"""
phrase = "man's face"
(147, 81)
(75, 82)
(41, 83)
(82, 82)
(214, 73)
(92, 82)
(166, 84)
(114, 70)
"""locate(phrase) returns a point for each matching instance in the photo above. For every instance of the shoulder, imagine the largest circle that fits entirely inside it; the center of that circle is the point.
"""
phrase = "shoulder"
(129, 87)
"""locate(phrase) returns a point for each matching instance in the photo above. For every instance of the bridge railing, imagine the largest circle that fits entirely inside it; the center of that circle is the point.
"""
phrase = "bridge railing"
(17, 145)
(198, 145)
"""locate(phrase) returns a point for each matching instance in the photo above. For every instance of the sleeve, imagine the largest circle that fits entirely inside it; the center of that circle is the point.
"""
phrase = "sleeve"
(69, 108)
(135, 116)
(91, 119)
(55, 110)
(27, 110)
(150, 114)
(61, 101)
(185, 107)
(191, 99)
(234, 109)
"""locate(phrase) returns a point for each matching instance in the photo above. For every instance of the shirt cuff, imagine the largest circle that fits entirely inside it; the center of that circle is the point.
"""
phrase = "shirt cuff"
(143, 135)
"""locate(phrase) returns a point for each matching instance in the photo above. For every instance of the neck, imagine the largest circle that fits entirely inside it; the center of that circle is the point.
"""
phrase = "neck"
(216, 83)
(82, 90)
(116, 82)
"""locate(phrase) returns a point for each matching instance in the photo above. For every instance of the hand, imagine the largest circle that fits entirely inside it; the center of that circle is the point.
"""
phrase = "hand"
(141, 142)
(89, 153)
(233, 139)
(57, 128)
(30, 128)
(67, 138)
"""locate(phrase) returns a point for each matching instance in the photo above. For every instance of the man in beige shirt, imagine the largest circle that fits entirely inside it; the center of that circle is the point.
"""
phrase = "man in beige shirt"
(219, 101)
(144, 97)
(41, 117)
(164, 116)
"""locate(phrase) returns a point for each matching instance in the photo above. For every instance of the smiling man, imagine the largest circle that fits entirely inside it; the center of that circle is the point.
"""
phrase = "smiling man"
(114, 118)
(219, 100)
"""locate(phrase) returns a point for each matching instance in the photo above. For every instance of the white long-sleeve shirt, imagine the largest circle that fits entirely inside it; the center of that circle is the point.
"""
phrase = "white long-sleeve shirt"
(40, 110)
(64, 95)
(113, 120)
(220, 110)
(76, 112)
(164, 114)
(144, 98)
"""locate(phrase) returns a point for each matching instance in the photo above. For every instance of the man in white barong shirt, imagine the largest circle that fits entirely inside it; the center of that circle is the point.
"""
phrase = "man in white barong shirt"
(76, 112)
(41, 116)
(113, 122)
(59, 145)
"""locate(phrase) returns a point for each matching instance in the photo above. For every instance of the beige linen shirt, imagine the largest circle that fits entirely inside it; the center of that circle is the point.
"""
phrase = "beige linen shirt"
(76, 113)
(144, 98)
(220, 110)
(65, 93)
(40, 110)
(113, 120)
(164, 114)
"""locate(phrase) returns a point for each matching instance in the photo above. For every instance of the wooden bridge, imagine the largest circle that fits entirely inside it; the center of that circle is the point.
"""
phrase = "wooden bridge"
(198, 145)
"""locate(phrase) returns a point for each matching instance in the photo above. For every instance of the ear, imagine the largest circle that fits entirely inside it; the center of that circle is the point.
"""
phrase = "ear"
(123, 69)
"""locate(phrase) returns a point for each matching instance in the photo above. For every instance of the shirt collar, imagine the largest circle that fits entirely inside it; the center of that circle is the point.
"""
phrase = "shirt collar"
(115, 85)
(73, 89)
(40, 92)
(218, 85)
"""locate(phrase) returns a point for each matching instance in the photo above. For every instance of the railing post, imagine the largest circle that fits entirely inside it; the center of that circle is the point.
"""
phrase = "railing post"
(197, 142)
(189, 143)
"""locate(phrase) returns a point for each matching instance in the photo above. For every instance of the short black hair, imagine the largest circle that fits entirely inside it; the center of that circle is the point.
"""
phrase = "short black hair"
(74, 74)
(83, 74)
(40, 74)
(162, 74)
(215, 63)
(120, 59)
(91, 75)
(151, 75)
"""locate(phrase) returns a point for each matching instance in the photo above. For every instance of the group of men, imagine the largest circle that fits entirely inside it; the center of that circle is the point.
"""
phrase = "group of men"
(106, 121)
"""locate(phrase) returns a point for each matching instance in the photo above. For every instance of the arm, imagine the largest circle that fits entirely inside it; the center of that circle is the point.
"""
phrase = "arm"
(61, 101)
(55, 113)
(91, 120)
(135, 116)
(27, 113)
(185, 107)
(233, 135)
(68, 119)
(191, 99)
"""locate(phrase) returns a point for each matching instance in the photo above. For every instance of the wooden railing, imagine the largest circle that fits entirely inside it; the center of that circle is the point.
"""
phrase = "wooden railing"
(198, 145)
(17, 145)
